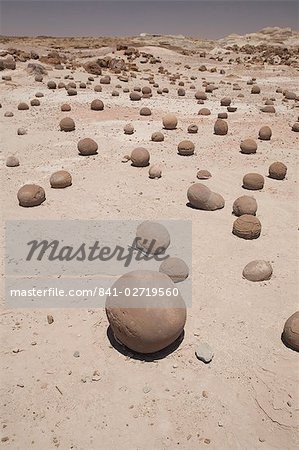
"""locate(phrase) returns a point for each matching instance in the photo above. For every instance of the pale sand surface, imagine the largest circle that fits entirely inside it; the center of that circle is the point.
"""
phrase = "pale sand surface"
(252, 382)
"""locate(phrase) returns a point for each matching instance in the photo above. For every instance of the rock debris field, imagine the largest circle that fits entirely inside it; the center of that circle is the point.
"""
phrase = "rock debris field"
(140, 129)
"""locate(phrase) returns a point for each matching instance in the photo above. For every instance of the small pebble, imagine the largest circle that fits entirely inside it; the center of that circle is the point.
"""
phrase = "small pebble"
(50, 319)
(204, 352)
(76, 354)
(21, 131)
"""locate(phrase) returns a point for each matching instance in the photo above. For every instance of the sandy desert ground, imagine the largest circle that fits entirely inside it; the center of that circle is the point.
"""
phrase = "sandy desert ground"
(247, 397)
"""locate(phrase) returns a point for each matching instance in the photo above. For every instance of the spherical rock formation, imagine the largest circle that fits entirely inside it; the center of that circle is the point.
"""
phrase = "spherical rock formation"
(277, 170)
(201, 197)
(12, 161)
(225, 101)
(145, 324)
(192, 129)
(23, 106)
(21, 131)
(220, 127)
(181, 92)
(129, 128)
(67, 124)
(295, 127)
(51, 85)
(200, 95)
(71, 92)
(135, 96)
(265, 133)
(8, 114)
(97, 88)
(290, 334)
(222, 115)
(175, 268)
(87, 146)
(60, 179)
(65, 107)
(155, 171)
(157, 136)
(253, 181)
(204, 112)
(247, 227)
(268, 109)
(152, 237)
(258, 270)
(203, 174)
(245, 205)
(97, 105)
(145, 111)
(186, 148)
(38, 78)
(140, 157)
(255, 89)
(170, 122)
(248, 146)
(31, 195)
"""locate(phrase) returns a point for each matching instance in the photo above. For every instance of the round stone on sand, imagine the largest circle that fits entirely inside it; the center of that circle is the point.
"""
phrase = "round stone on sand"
(258, 270)
(175, 268)
(145, 324)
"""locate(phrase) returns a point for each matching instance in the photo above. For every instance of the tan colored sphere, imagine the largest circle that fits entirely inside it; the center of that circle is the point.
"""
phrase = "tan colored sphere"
(170, 122)
(265, 133)
(145, 111)
(192, 129)
(268, 109)
(51, 85)
(204, 112)
(175, 268)
(290, 334)
(200, 95)
(277, 170)
(145, 324)
(255, 89)
(157, 136)
(222, 115)
(140, 157)
(295, 127)
(67, 124)
(220, 127)
(31, 195)
(152, 237)
(60, 179)
(22, 106)
(129, 128)
(186, 148)
(65, 107)
(155, 171)
(12, 161)
(258, 270)
(247, 227)
(245, 205)
(201, 197)
(87, 146)
(248, 146)
(225, 101)
(97, 105)
(34, 102)
(135, 96)
(203, 174)
(253, 181)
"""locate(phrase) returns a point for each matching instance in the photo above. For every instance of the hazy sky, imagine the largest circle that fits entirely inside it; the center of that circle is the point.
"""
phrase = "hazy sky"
(198, 18)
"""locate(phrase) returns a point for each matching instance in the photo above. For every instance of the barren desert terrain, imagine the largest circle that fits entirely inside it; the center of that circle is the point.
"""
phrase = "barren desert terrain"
(63, 384)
